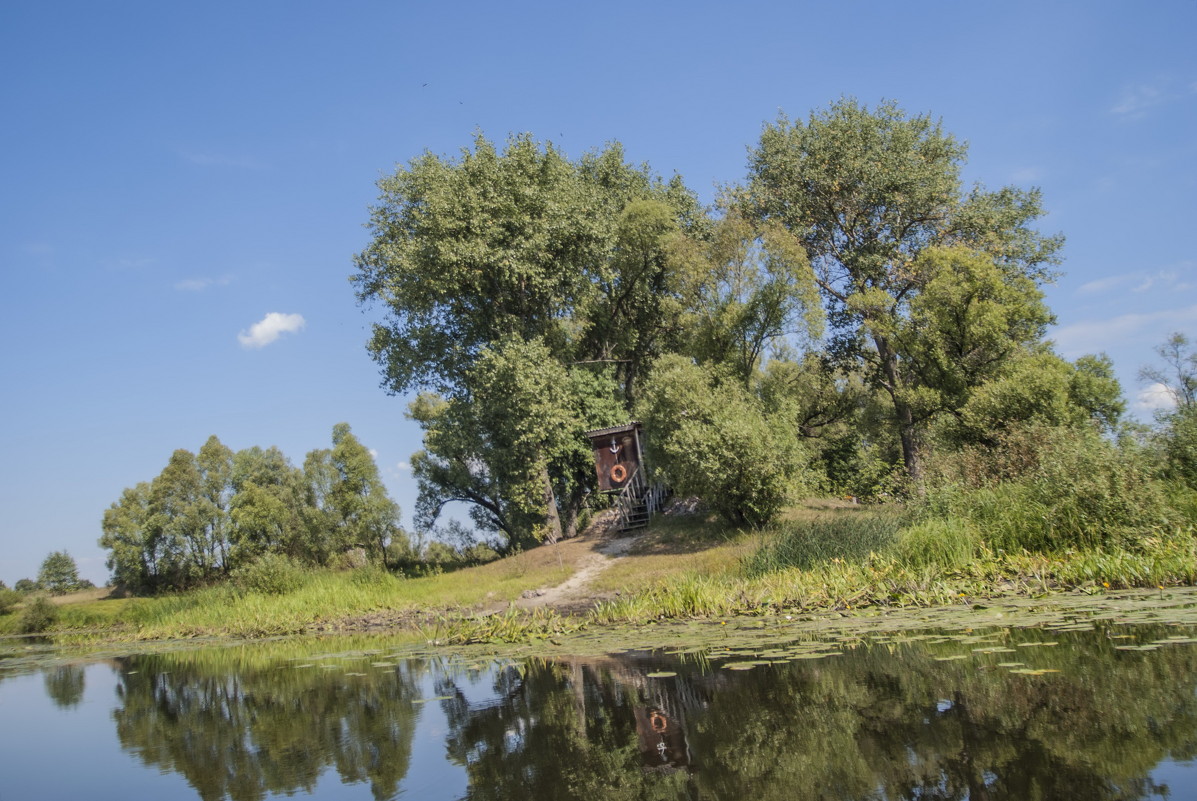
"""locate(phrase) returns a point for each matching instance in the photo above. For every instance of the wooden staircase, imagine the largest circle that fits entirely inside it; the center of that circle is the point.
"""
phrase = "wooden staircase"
(637, 502)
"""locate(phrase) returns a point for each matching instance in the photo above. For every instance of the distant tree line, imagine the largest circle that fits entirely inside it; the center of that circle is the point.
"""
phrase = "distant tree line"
(849, 319)
(208, 513)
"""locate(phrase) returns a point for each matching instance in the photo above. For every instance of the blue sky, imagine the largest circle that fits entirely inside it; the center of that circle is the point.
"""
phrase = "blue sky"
(183, 181)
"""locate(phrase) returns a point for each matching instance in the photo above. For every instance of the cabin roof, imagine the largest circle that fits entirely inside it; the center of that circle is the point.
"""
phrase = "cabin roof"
(604, 432)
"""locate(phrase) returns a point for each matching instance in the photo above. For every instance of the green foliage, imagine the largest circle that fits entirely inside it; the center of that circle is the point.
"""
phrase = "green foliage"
(1039, 389)
(9, 600)
(873, 195)
(1177, 440)
(1045, 488)
(38, 615)
(746, 291)
(945, 544)
(500, 273)
(58, 574)
(210, 514)
(712, 439)
(25, 586)
(809, 544)
(269, 574)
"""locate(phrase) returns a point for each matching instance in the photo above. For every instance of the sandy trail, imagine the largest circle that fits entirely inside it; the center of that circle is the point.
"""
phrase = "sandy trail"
(605, 548)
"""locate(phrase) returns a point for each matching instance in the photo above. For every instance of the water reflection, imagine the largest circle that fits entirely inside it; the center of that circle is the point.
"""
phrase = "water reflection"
(240, 728)
(884, 720)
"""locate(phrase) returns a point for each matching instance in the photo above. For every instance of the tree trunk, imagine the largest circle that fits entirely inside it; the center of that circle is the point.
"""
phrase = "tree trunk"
(552, 518)
(907, 429)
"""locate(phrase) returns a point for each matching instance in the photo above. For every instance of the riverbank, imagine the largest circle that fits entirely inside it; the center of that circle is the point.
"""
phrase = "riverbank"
(824, 556)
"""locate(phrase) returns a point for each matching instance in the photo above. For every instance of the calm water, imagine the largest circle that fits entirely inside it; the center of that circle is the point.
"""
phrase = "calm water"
(1082, 709)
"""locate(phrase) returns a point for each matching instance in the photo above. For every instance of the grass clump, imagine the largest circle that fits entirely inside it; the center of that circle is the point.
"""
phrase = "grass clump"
(949, 544)
(511, 626)
(269, 574)
(37, 616)
(9, 600)
(807, 544)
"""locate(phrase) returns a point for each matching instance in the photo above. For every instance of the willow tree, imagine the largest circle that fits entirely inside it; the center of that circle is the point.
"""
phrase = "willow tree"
(514, 246)
(868, 191)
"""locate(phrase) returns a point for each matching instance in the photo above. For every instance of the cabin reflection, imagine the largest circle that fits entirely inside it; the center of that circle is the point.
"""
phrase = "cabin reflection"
(662, 736)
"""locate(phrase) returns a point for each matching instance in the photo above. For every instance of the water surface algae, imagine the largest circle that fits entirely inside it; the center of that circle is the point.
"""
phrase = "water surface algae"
(1005, 634)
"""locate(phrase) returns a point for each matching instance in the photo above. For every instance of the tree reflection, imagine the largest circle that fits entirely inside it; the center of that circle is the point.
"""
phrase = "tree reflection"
(886, 721)
(241, 728)
(869, 724)
(64, 685)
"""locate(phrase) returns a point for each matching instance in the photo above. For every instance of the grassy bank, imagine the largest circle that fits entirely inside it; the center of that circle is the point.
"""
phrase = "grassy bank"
(322, 600)
(820, 556)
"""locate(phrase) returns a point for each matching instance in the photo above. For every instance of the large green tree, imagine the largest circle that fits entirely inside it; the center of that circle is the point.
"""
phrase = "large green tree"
(58, 574)
(479, 258)
(366, 516)
(869, 191)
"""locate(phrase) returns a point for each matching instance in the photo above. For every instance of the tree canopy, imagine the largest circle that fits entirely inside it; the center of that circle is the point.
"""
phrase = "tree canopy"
(850, 305)
(209, 513)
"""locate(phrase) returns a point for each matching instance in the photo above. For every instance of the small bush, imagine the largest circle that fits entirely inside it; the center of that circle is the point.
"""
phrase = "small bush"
(942, 543)
(37, 616)
(9, 600)
(372, 576)
(1068, 487)
(269, 574)
(849, 537)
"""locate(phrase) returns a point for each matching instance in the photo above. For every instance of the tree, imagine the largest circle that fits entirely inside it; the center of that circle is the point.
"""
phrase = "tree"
(366, 516)
(473, 256)
(1178, 376)
(129, 540)
(267, 506)
(512, 447)
(746, 292)
(868, 192)
(1039, 389)
(58, 574)
(1177, 429)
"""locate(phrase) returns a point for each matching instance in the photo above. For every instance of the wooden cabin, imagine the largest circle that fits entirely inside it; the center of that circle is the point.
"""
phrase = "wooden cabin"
(618, 456)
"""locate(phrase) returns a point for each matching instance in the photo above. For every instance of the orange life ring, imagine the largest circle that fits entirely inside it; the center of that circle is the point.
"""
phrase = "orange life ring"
(618, 473)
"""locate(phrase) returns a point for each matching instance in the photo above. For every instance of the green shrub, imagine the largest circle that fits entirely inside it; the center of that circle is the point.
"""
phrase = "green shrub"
(713, 439)
(372, 576)
(1182, 499)
(37, 616)
(848, 537)
(9, 600)
(949, 543)
(1053, 488)
(269, 574)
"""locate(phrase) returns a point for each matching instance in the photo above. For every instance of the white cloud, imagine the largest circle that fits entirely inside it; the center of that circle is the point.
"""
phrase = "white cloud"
(1169, 279)
(1136, 100)
(1092, 336)
(270, 328)
(1153, 398)
(200, 284)
(1103, 284)
(403, 467)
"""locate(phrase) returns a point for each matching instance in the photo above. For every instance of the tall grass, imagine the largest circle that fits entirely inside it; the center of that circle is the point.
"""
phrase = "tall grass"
(278, 602)
(806, 544)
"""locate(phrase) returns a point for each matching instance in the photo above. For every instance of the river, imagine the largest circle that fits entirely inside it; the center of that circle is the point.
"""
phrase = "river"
(1067, 698)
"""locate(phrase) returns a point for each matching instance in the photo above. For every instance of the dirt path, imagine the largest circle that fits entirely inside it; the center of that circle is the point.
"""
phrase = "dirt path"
(604, 546)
